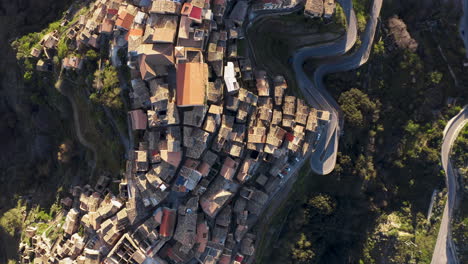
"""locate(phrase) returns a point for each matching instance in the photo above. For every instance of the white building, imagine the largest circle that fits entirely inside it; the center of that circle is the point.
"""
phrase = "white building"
(230, 78)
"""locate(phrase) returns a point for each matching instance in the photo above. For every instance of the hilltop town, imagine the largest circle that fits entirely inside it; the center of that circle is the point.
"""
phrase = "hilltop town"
(214, 138)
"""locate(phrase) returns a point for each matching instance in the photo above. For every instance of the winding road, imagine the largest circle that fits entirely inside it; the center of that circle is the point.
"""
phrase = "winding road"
(323, 160)
(444, 251)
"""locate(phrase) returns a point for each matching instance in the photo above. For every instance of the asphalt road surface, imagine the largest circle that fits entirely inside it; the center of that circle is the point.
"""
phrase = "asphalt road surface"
(323, 160)
(444, 251)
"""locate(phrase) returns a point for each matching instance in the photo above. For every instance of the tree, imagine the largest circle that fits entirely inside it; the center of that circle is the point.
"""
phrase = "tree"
(28, 76)
(365, 168)
(339, 17)
(109, 95)
(323, 203)
(302, 250)
(412, 128)
(111, 79)
(435, 77)
(361, 21)
(92, 55)
(11, 221)
(357, 107)
(379, 47)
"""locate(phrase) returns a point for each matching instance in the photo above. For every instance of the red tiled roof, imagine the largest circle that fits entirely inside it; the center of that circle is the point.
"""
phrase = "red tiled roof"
(191, 81)
(167, 223)
(204, 169)
(173, 158)
(202, 236)
(196, 13)
(239, 258)
(125, 20)
(112, 11)
(136, 32)
(289, 137)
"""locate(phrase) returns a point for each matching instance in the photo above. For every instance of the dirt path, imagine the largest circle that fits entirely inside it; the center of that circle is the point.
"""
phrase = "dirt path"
(79, 135)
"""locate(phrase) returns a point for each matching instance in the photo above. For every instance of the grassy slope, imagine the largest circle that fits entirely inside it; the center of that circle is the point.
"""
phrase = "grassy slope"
(460, 224)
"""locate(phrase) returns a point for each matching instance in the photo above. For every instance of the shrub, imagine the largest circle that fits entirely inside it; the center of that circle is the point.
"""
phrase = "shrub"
(11, 221)
(323, 203)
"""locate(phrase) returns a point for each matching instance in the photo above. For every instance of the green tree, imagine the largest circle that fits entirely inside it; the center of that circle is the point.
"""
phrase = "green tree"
(379, 47)
(28, 76)
(323, 203)
(412, 128)
(111, 79)
(92, 55)
(109, 94)
(361, 21)
(302, 250)
(11, 221)
(357, 107)
(365, 168)
(339, 17)
(435, 77)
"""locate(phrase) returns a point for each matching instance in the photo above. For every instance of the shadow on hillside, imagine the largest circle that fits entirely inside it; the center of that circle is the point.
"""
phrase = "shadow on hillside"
(8, 246)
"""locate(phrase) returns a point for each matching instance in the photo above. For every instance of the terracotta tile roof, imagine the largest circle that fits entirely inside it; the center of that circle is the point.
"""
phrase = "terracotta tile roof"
(168, 223)
(186, 9)
(191, 82)
(125, 20)
(204, 169)
(112, 11)
(202, 236)
(173, 158)
(135, 32)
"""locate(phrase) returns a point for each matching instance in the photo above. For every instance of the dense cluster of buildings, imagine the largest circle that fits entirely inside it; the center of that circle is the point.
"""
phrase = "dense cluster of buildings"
(319, 8)
(216, 139)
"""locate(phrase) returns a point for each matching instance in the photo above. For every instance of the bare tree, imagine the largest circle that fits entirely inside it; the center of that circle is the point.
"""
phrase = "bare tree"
(401, 35)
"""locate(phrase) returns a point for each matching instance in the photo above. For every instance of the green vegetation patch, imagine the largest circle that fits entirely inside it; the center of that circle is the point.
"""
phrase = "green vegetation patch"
(459, 157)
(108, 92)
